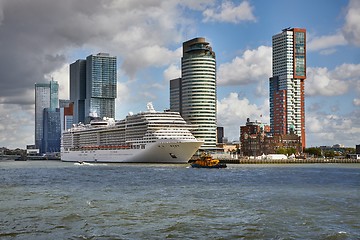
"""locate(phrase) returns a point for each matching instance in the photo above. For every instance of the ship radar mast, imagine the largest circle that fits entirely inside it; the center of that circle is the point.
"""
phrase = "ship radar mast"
(150, 107)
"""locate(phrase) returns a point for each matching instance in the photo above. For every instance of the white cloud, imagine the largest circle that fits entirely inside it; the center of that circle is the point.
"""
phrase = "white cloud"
(61, 75)
(149, 95)
(313, 124)
(321, 128)
(328, 51)
(228, 12)
(123, 93)
(16, 126)
(42, 34)
(232, 113)
(1, 12)
(262, 88)
(326, 43)
(349, 33)
(356, 86)
(155, 56)
(140, 32)
(348, 71)
(173, 71)
(329, 129)
(319, 81)
(351, 29)
(143, 34)
(20, 99)
(198, 5)
(123, 100)
(356, 102)
(252, 66)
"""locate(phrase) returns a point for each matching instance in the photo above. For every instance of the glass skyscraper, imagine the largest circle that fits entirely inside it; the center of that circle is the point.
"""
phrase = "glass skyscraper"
(287, 111)
(101, 85)
(46, 97)
(78, 89)
(93, 87)
(197, 90)
(52, 130)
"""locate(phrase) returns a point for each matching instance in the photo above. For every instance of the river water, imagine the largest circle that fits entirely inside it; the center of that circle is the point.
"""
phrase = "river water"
(57, 200)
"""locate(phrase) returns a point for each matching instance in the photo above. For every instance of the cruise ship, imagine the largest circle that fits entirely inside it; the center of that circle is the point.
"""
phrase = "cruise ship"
(145, 137)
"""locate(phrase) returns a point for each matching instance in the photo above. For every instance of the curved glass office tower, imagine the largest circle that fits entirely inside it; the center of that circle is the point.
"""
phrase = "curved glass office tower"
(198, 89)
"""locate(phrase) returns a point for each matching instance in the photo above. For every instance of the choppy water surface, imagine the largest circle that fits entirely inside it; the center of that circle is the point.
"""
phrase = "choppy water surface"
(56, 200)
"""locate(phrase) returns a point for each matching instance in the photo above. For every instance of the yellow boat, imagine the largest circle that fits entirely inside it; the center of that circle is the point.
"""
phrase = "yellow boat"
(207, 161)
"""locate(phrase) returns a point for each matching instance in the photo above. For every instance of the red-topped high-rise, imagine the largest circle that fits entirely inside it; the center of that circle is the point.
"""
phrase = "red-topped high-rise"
(287, 103)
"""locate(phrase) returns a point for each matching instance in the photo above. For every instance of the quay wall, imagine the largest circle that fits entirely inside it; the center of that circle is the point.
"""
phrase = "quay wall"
(288, 161)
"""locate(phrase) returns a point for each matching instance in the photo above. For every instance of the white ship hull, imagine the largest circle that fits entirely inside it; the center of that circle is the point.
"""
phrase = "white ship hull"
(162, 151)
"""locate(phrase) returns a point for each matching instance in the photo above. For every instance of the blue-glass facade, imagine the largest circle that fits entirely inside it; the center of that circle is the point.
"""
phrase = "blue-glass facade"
(299, 54)
(52, 131)
(46, 96)
(101, 85)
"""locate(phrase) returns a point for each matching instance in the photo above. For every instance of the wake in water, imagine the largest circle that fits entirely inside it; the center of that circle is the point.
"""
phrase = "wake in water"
(88, 164)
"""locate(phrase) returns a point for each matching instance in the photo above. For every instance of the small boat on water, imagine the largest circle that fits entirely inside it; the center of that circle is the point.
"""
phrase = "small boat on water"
(82, 163)
(207, 161)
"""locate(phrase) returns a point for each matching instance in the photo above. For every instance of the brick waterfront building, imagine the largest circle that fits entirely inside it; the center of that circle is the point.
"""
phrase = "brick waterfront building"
(256, 139)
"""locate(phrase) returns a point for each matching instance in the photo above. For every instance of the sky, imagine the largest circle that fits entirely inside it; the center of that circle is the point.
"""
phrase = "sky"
(39, 39)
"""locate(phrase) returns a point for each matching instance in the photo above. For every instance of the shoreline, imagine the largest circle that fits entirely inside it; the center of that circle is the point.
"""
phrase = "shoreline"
(232, 161)
(288, 161)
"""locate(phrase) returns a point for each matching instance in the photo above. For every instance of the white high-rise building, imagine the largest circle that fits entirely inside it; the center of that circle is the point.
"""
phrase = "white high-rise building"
(198, 89)
(287, 113)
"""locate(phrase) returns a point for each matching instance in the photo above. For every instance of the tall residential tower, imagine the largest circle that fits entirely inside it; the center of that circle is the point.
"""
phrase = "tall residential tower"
(194, 95)
(287, 111)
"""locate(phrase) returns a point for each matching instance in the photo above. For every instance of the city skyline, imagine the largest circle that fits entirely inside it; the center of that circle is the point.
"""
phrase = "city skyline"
(39, 40)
